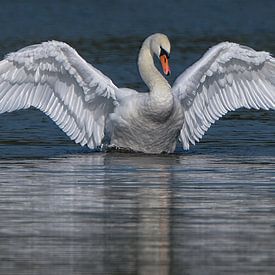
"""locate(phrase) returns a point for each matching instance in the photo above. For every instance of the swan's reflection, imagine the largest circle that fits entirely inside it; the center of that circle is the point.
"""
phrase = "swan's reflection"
(140, 212)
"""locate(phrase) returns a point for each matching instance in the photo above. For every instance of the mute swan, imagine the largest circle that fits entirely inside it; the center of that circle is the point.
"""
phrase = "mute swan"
(87, 106)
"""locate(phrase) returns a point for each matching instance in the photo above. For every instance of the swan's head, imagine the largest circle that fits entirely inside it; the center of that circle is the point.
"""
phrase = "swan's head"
(160, 45)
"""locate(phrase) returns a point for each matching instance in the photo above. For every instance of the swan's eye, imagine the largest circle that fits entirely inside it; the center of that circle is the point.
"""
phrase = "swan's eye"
(163, 52)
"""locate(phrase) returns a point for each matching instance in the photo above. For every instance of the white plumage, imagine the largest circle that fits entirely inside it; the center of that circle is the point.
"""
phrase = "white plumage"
(227, 77)
(87, 106)
(55, 79)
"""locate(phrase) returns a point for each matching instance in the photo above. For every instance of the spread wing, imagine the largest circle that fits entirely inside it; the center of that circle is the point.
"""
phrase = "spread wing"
(227, 77)
(53, 78)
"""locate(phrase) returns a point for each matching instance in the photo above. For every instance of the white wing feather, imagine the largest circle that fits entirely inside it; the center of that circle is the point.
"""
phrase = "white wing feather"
(53, 78)
(227, 77)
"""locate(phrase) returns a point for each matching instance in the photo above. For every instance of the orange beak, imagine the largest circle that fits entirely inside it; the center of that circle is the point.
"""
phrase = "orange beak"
(165, 65)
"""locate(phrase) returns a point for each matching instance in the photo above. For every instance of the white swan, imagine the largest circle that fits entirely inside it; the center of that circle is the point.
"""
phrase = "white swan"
(87, 106)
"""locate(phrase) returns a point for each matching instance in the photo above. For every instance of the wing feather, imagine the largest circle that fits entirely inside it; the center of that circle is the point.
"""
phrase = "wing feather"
(229, 76)
(53, 78)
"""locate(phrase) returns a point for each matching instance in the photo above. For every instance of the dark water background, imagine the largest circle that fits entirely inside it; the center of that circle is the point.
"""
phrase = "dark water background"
(65, 210)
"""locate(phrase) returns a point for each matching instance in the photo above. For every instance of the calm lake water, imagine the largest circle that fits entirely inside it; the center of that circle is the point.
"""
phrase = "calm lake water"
(67, 210)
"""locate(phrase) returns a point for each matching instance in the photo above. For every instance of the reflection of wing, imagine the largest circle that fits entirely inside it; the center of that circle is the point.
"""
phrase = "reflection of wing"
(53, 78)
(227, 77)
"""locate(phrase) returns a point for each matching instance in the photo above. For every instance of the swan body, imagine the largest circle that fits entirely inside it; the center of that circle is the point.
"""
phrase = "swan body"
(89, 108)
(146, 128)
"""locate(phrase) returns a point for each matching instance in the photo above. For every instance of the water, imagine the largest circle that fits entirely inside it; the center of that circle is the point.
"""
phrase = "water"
(66, 210)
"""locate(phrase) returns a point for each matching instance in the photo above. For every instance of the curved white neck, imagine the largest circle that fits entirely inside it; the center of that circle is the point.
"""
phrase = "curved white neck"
(149, 73)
